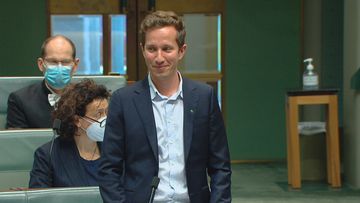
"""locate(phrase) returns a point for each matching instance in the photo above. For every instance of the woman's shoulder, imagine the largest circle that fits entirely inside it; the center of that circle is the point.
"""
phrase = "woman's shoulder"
(45, 147)
(54, 145)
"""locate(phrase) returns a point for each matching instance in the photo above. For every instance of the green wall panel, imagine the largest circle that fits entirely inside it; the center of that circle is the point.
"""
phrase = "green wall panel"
(332, 48)
(262, 61)
(23, 28)
(263, 50)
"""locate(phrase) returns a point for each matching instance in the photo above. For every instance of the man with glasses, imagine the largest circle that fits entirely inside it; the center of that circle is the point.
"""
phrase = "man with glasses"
(30, 107)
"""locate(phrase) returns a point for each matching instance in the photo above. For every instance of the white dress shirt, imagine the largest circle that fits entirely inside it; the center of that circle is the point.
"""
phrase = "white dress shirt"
(169, 120)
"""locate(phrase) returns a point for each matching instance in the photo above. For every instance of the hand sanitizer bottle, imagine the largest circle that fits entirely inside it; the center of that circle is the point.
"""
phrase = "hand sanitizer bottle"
(310, 77)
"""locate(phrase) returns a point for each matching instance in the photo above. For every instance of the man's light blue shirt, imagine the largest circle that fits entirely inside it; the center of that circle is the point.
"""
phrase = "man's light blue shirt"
(169, 120)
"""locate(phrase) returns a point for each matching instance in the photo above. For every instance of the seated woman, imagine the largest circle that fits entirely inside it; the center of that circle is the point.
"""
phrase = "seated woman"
(72, 159)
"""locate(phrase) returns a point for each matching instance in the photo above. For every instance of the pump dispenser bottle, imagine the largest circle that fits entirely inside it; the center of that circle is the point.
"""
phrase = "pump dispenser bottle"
(310, 77)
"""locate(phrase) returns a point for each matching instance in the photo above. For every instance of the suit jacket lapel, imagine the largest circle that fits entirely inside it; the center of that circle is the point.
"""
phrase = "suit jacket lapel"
(143, 105)
(190, 107)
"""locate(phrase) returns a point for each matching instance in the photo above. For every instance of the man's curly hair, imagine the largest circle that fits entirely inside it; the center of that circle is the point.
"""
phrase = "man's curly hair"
(73, 102)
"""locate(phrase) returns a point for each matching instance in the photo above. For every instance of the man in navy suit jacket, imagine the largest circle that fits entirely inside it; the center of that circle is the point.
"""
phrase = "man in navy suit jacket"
(165, 126)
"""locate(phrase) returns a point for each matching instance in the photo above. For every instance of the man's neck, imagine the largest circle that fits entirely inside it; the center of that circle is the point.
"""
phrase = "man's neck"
(168, 86)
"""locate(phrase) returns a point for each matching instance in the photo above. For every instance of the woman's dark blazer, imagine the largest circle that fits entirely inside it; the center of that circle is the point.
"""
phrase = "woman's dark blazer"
(62, 168)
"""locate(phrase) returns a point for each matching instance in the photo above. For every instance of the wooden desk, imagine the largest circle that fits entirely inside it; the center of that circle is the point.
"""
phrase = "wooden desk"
(313, 97)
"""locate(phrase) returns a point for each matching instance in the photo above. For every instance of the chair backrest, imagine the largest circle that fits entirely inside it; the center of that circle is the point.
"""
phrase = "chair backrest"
(17, 149)
(68, 195)
(111, 82)
(11, 84)
(53, 195)
(13, 197)
(8, 85)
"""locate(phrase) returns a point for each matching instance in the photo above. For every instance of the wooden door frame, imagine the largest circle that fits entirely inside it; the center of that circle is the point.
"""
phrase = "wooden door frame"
(181, 7)
(104, 8)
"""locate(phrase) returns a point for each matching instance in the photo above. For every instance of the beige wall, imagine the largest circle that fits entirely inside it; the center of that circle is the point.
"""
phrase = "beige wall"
(351, 97)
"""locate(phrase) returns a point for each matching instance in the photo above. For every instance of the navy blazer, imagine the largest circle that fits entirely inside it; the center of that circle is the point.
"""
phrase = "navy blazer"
(29, 107)
(62, 169)
(130, 150)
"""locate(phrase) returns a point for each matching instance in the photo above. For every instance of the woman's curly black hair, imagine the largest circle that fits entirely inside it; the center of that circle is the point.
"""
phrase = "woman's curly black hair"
(73, 103)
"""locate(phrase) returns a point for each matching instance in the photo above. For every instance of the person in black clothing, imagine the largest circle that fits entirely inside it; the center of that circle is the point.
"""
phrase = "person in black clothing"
(74, 157)
(31, 106)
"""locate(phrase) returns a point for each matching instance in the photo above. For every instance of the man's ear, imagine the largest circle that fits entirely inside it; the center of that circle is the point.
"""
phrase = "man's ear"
(182, 51)
(40, 63)
(142, 49)
(76, 64)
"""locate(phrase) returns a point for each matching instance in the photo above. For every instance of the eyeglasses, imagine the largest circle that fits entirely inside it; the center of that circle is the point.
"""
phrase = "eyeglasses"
(51, 62)
(102, 123)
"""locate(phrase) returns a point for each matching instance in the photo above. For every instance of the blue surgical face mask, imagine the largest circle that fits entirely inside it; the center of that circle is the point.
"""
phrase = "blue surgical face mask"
(58, 76)
(96, 130)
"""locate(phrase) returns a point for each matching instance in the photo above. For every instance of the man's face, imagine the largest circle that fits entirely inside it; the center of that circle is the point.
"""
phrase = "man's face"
(161, 52)
(58, 51)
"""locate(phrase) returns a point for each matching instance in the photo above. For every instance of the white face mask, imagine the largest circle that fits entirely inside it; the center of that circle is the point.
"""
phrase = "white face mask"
(96, 129)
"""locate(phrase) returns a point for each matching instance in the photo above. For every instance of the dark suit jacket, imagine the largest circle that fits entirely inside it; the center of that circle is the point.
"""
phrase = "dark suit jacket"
(63, 169)
(29, 107)
(131, 142)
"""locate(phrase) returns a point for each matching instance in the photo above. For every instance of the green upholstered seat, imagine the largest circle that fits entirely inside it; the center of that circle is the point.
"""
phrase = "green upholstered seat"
(68, 195)
(13, 197)
(53, 195)
(17, 149)
(8, 85)
(111, 82)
